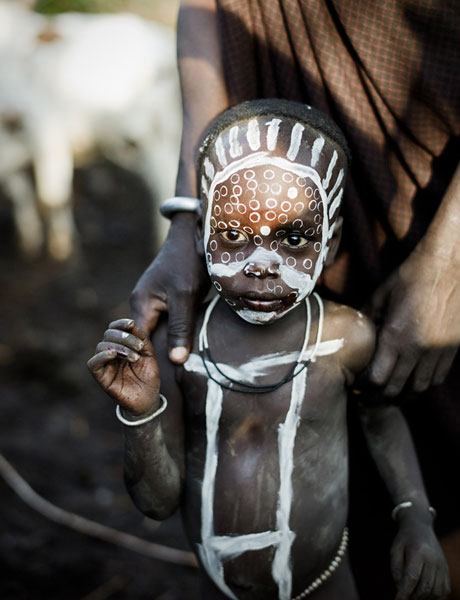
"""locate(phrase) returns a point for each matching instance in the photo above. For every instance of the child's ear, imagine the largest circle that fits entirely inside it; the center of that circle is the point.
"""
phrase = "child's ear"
(199, 232)
(334, 242)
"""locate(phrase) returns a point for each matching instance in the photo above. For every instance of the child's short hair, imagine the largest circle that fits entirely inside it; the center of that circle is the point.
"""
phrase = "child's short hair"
(273, 107)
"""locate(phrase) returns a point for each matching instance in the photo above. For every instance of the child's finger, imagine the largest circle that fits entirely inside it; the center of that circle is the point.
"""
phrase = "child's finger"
(425, 584)
(441, 586)
(128, 325)
(99, 360)
(123, 338)
(122, 351)
(409, 579)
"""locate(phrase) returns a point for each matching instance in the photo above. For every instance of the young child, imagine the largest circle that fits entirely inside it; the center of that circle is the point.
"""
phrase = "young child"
(252, 438)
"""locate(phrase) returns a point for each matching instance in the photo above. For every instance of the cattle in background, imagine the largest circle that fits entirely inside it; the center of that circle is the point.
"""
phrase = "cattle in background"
(74, 86)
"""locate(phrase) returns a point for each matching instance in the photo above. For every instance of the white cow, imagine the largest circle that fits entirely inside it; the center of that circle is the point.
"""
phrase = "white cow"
(74, 85)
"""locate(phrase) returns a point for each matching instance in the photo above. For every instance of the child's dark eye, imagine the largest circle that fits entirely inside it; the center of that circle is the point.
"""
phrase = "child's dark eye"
(232, 235)
(294, 240)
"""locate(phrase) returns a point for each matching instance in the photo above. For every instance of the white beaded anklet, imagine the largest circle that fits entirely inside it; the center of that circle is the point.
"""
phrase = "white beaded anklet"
(121, 418)
(329, 570)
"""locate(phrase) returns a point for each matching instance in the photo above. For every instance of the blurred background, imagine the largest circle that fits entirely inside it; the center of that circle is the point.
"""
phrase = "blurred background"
(89, 132)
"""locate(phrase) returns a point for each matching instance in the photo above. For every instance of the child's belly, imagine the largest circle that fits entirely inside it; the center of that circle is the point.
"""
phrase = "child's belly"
(268, 523)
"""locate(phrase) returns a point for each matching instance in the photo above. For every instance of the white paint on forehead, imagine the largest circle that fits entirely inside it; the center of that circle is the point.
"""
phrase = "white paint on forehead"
(296, 138)
(316, 151)
(220, 151)
(272, 133)
(335, 204)
(236, 149)
(209, 168)
(253, 135)
(327, 180)
(337, 183)
(204, 186)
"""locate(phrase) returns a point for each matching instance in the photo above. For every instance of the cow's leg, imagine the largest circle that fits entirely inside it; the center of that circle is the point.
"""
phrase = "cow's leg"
(29, 227)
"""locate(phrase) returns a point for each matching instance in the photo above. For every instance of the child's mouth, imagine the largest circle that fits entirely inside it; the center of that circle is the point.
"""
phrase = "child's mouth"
(262, 303)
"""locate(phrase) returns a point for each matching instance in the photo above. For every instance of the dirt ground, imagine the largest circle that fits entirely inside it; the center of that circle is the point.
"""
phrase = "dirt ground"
(57, 428)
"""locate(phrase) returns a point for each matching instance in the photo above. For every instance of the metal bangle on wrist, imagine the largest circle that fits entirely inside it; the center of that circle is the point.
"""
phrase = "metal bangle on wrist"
(408, 504)
(158, 412)
(170, 206)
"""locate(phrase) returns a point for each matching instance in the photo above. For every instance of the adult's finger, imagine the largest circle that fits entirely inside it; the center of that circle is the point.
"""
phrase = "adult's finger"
(444, 365)
(424, 587)
(146, 311)
(383, 361)
(181, 325)
(402, 371)
(425, 369)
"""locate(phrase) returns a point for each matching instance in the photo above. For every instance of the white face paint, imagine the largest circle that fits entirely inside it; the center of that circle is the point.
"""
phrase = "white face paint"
(267, 218)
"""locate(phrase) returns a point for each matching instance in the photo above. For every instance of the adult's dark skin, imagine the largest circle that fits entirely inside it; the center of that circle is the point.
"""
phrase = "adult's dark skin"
(416, 308)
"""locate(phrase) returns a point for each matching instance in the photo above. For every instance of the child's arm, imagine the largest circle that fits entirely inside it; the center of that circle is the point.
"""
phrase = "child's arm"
(126, 367)
(418, 564)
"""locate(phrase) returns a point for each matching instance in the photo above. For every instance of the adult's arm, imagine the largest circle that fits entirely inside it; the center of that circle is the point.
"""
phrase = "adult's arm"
(176, 280)
(419, 307)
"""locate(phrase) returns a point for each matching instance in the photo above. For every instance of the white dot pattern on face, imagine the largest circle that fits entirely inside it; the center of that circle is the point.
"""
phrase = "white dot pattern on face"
(317, 247)
(309, 232)
(224, 191)
(213, 245)
(239, 256)
(255, 217)
(307, 263)
(269, 174)
(235, 178)
(292, 193)
(280, 232)
(265, 230)
(291, 261)
(217, 286)
(301, 181)
(216, 196)
(258, 241)
(270, 215)
(233, 223)
(276, 189)
(283, 218)
(249, 174)
(309, 192)
(271, 203)
(319, 229)
(213, 222)
(249, 230)
(297, 223)
(299, 207)
(252, 185)
(225, 257)
(286, 206)
(217, 210)
(241, 208)
(264, 188)
(287, 177)
(228, 208)
(254, 204)
(274, 245)
(237, 190)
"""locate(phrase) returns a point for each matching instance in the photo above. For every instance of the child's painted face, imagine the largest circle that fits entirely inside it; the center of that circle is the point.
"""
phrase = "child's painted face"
(266, 231)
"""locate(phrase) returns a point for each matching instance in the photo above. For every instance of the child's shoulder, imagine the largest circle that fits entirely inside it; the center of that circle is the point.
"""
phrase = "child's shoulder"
(355, 330)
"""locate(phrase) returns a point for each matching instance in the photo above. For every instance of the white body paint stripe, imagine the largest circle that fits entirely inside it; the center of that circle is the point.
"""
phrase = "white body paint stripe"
(316, 151)
(335, 204)
(336, 185)
(327, 180)
(213, 550)
(253, 135)
(272, 133)
(220, 151)
(236, 149)
(296, 138)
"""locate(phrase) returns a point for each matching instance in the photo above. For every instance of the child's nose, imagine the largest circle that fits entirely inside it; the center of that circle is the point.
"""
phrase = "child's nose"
(262, 269)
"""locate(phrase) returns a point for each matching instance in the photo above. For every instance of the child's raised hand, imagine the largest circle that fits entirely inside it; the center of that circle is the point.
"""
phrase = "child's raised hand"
(126, 367)
(418, 565)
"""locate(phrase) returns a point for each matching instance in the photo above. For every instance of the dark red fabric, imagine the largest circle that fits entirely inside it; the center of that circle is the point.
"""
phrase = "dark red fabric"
(388, 73)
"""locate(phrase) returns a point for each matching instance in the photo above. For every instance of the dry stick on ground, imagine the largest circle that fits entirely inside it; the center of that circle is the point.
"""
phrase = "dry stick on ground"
(87, 527)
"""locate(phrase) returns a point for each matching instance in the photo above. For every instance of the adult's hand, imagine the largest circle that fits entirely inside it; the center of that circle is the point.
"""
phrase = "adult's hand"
(418, 310)
(175, 282)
